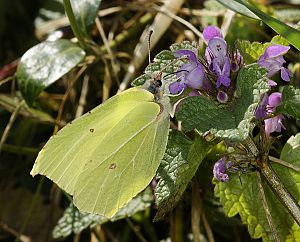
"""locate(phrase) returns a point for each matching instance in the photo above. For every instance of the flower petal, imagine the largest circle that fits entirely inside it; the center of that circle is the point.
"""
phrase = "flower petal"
(189, 53)
(223, 80)
(218, 47)
(274, 124)
(195, 78)
(222, 97)
(274, 51)
(176, 87)
(272, 83)
(211, 32)
(261, 110)
(285, 74)
(220, 169)
(274, 99)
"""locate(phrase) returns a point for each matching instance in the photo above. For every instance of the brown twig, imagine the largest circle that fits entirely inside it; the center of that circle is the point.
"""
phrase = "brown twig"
(135, 230)
(10, 124)
(284, 163)
(207, 227)
(3, 81)
(22, 237)
(114, 65)
(66, 95)
(82, 99)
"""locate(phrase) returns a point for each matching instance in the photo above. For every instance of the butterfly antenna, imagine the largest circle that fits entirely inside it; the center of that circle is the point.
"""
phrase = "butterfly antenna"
(149, 44)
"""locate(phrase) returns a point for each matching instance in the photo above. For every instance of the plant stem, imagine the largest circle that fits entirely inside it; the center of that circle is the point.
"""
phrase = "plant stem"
(281, 192)
(196, 211)
(76, 30)
(209, 233)
(177, 232)
(135, 230)
(266, 207)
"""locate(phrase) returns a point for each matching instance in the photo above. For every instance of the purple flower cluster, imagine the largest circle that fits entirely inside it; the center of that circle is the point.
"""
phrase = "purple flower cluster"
(213, 74)
(272, 59)
(266, 108)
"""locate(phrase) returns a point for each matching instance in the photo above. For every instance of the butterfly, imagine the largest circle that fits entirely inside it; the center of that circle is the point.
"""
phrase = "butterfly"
(110, 154)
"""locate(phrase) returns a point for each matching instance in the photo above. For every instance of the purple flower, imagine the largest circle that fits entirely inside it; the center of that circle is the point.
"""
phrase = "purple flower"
(219, 170)
(211, 32)
(190, 74)
(274, 124)
(268, 106)
(222, 97)
(194, 93)
(222, 68)
(261, 110)
(236, 60)
(219, 63)
(176, 87)
(274, 101)
(216, 48)
(272, 59)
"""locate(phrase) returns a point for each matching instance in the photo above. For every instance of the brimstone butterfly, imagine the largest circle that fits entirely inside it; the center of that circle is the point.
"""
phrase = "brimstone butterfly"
(110, 154)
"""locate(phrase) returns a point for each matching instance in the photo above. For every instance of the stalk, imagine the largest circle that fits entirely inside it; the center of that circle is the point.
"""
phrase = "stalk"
(281, 192)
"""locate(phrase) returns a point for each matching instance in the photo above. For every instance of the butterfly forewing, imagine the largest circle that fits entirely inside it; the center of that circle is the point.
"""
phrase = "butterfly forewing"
(65, 154)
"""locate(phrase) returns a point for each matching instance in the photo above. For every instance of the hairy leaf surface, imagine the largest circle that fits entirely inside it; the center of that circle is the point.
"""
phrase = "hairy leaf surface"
(232, 122)
(290, 105)
(73, 221)
(179, 164)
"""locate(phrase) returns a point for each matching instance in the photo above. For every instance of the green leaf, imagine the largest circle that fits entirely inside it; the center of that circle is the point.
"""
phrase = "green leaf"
(109, 155)
(184, 45)
(232, 122)
(243, 198)
(73, 221)
(164, 66)
(290, 105)
(177, 168)
(139, 81)
(252, 51)
(291, 179)
(239, 8)
(44, 64)
(290, 34)
(85, 12)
